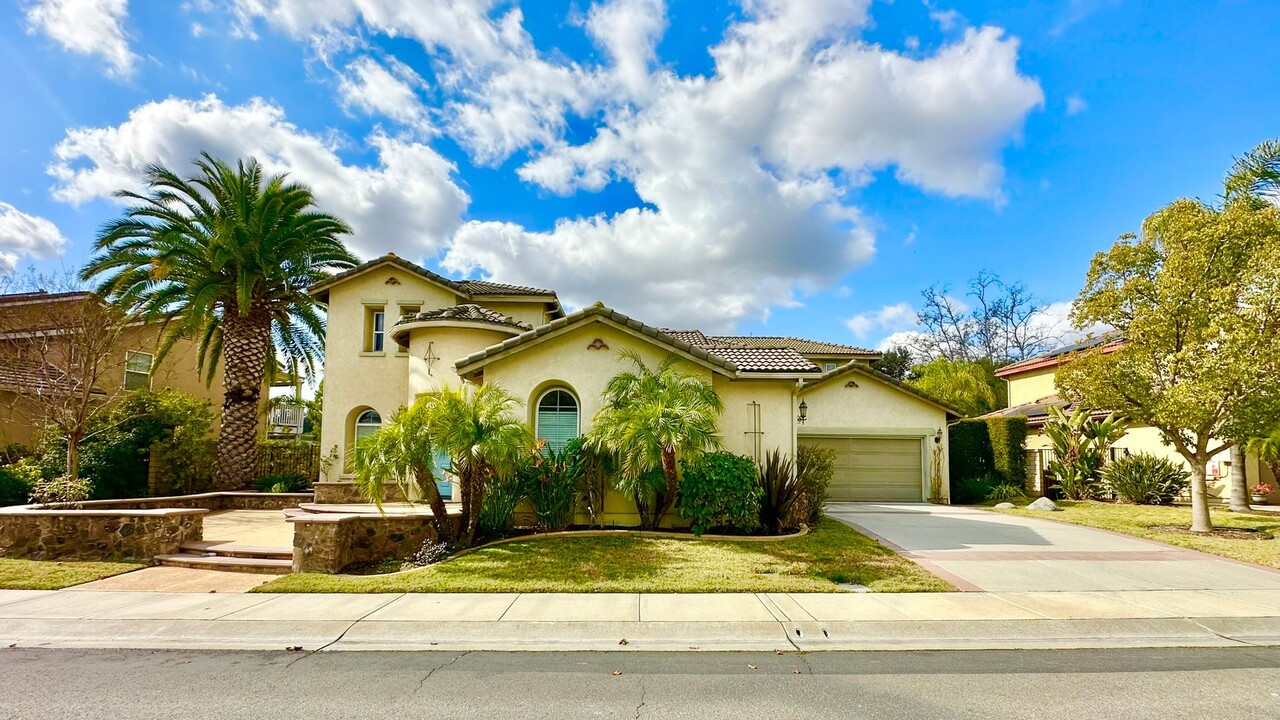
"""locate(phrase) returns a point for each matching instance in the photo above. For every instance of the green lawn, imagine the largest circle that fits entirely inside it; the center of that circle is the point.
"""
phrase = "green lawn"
(831, 553)
(55, 574)
(1138, 520)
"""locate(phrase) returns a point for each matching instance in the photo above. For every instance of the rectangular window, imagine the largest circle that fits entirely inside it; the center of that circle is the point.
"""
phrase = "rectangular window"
(375, 328)
(406, 310)
(828, 367)
(137, 370)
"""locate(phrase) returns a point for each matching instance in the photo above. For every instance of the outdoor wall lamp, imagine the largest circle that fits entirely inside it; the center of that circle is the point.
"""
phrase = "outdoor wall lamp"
(804, 412)
(937, 437)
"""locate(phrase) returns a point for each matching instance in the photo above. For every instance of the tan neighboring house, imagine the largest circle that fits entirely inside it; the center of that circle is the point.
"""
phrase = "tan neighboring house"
(130, 363)
(397, 330)
(1032, 392)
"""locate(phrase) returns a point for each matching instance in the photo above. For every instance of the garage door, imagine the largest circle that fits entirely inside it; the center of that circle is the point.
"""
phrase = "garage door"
(874, 468)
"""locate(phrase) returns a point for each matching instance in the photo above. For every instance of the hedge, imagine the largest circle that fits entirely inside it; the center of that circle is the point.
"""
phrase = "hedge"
(1008, 439)
(991, 446)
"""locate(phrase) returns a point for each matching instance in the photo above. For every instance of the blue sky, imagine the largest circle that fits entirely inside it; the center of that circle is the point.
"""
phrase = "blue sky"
(772, 167)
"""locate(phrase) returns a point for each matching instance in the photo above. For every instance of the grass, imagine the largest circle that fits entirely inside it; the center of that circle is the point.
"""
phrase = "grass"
(1140, 521)
(831, 553)
(56, 574)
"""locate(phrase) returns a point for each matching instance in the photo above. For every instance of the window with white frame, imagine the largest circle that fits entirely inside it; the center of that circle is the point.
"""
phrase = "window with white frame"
(368, 423)
(375, 328)
(137, 370)
(557, 418)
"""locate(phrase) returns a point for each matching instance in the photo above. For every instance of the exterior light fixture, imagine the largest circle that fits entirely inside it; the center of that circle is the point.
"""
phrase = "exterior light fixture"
(804, 412)
(937, 437)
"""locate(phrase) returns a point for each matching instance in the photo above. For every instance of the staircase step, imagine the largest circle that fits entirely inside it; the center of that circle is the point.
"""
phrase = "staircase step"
(230, 549)
(221, 562)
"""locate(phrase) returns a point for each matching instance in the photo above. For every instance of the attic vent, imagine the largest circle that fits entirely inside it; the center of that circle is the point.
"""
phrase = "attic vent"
(598, 344)
(392, 281)
(851, 384)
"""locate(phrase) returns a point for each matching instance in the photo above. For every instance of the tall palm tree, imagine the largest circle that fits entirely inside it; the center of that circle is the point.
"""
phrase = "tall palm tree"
(226, 256)
(652, 417)
(478, 428)
(401, 451)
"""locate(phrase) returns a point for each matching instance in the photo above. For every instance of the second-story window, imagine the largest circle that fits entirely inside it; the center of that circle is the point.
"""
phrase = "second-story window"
(137, 370)
(375, 329)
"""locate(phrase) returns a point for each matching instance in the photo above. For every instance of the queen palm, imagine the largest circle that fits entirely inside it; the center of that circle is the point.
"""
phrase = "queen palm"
(651, 418)
(477, 427)
(226, 256)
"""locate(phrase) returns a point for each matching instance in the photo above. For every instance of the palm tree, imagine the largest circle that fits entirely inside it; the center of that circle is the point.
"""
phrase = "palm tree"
(970, 385)
(401, 451)
(651, 418)
(1267, 448)
(226, 256)
(476, 426)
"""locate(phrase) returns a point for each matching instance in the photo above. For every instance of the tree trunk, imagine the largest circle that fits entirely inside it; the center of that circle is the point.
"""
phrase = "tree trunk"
(245, 344)
(439, 514)
(670, 474)
(73, 456)
(1239, 499)
(1200, 521)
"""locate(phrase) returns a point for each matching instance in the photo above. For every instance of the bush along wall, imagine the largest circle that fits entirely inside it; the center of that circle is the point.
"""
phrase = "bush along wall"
(1007, 438)
(991, 450)
(970, 455)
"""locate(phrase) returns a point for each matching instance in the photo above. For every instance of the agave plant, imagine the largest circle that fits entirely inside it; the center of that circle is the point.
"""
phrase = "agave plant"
(1080, 444)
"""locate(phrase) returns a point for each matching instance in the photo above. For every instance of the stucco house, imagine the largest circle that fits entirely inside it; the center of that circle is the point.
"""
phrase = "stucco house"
(1032, 392)
(397, 330)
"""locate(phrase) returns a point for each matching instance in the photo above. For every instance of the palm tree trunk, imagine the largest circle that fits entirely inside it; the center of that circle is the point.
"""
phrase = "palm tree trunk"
(669, 473)
(439, 515)
(1239, 500)
(245, 344)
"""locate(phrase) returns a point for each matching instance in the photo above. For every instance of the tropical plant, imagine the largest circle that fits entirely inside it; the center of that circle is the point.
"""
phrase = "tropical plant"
(283, 483)
(720, 490)
(594, 469)
(225, 256)
(497, 515)
(401, 452)
(815, 466)
(1003, 491)
(973, 490)
(650, 419)
(1193, 296)
(1146, 479)
(1080, 445)
(553, 486)
(780, 490)
(477, 426)
(969, 385)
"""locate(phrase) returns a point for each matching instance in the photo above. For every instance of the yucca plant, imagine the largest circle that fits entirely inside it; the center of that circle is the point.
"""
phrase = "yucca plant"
(781, 488)
(1080, 444)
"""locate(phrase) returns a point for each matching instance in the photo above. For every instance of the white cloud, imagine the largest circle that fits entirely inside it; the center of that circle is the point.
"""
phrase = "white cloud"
(899, 316)
(385, 89)
(947, 20)
(1076, 104)
(23, 235)
(87, 27)
(743, 174)
(406, 202)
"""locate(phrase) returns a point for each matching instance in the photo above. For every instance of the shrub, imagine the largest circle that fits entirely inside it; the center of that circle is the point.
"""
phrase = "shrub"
(498, 512)
(60, 489)
(1004, 491)
(282, 483)
(973, 490)
(815, 467)
(1007, 437)
(720, 490)
(969, 443)
(1261, 489)
(16, 481)
(13, 452)
(1145, 479)
(431, 553)
(780, 489)
(593, 469)
(552, 484)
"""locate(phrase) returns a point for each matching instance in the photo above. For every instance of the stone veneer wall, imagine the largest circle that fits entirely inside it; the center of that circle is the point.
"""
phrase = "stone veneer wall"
(327, 543)
(208, 501)
(97, 534)
(345, 493)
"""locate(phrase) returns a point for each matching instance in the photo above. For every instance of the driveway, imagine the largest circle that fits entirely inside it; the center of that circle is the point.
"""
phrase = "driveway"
(981, 550)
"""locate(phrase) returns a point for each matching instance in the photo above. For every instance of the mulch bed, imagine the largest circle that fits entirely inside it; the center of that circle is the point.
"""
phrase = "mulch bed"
(1228, 533)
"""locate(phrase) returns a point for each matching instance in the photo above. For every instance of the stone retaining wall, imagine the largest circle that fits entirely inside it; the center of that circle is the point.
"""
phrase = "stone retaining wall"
(327, 543)
(97, 534)
(208, 501)
(344, 492)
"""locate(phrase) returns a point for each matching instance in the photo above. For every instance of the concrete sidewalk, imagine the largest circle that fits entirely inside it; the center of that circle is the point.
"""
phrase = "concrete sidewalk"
(783, 621)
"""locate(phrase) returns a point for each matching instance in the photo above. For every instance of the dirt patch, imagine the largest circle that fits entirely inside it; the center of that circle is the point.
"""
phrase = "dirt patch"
(1226, 533)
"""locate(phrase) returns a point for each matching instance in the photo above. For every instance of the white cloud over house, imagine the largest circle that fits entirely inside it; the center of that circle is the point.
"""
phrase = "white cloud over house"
(26, 236)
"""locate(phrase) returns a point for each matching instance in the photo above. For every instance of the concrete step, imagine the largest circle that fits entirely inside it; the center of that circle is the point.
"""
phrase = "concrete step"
(230, 549)
(268, 566)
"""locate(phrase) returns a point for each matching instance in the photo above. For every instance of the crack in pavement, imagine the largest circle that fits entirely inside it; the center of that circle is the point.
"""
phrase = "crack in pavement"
(433, 670)
(642, 696)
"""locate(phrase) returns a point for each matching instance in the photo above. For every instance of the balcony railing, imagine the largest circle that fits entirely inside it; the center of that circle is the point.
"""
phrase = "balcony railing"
(286, 418)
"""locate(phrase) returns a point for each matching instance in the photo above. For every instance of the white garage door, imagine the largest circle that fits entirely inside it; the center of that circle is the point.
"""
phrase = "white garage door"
(874, 468)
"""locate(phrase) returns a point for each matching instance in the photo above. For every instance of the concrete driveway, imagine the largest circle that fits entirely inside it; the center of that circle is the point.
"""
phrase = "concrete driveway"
(981, 550)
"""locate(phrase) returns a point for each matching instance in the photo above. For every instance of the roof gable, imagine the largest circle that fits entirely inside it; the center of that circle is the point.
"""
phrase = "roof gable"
(893, 383)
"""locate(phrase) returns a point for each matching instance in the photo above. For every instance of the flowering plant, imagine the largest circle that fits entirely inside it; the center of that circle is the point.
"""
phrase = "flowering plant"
(1261, 489)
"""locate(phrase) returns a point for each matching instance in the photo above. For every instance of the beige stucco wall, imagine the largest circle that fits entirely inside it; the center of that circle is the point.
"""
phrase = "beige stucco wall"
(738, 424)
(1031, 386)
(875, 408)
(448, 344)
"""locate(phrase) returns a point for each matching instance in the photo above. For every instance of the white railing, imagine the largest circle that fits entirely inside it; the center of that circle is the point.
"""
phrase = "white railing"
(286, 418)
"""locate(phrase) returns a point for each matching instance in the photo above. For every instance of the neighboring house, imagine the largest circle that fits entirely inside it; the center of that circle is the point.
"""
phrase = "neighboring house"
(1032, 392)
(397, 330)
(33, 327)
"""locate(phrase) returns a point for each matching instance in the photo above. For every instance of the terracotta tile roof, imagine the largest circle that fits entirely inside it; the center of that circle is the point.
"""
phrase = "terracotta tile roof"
(867, 370)
(693, 337)
(800, 345)
(486, 287)
(469, 313)
(764, 359)
(1057, 356)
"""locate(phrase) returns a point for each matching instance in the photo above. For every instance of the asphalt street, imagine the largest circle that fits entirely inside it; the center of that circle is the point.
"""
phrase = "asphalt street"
(1076, 684)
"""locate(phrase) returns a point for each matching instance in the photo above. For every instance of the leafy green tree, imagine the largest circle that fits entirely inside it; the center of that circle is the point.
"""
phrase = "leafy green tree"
(896, 363)
(651, 418)
(1195, 297)
(970, 386)
(477, 426)
(227, 256)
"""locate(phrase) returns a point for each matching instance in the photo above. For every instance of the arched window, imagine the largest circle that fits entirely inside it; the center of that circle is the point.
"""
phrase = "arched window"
(367, 424)
(557, 420)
